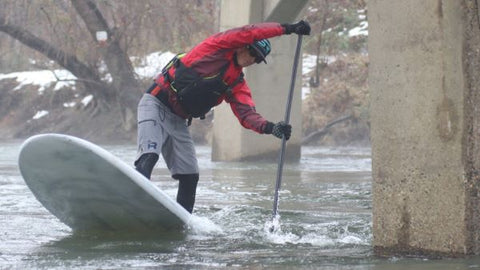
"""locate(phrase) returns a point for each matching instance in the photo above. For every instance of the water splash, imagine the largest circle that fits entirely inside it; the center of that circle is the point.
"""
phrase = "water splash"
(273, 226)
(273, 232)
(203, 226)
(321, 235)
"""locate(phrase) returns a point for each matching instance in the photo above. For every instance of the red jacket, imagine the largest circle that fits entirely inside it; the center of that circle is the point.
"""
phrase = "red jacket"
(207, 59)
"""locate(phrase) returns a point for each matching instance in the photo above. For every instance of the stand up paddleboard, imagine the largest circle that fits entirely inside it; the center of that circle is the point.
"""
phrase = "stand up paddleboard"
(89, 189)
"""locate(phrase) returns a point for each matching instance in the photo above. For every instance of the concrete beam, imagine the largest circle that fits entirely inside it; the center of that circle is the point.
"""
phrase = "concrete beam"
(285, 11)
(424, 85)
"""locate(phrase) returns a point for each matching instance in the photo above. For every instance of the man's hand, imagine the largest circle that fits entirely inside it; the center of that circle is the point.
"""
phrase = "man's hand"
(301, 28)
(281, 129)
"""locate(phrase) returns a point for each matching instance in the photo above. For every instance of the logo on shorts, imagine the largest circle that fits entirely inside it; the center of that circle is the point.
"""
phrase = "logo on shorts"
(152, 145)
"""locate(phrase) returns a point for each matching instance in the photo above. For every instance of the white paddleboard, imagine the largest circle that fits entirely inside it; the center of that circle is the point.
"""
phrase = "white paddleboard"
(89, 189)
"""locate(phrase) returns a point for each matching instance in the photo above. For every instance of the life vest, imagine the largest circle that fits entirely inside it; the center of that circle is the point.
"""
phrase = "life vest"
(195, 93)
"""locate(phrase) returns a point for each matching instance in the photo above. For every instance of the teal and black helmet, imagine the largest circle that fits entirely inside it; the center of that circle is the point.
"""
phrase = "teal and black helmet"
(261, 48)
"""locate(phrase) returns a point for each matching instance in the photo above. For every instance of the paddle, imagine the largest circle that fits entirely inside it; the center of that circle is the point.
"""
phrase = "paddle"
(284, 141)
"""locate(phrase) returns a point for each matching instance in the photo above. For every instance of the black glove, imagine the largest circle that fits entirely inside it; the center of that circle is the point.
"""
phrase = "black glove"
(301, 28)
(279, 130)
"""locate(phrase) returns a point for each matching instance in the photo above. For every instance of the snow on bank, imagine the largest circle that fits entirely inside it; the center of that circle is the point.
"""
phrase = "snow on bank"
(152, 64)
(361, 30)
(42, 78)
(86, 100)
(148, 68)
(40, 114)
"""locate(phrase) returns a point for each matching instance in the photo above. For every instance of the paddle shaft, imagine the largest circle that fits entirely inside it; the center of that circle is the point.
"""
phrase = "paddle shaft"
(281, 157)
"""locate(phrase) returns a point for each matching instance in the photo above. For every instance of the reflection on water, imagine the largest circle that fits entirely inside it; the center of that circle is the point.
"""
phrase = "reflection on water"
(325, 209)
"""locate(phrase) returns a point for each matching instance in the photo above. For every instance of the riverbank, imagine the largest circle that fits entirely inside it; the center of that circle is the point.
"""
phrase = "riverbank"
(46, 101)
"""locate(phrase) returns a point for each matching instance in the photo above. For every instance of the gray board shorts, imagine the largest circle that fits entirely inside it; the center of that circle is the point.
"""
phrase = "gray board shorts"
(162, 131)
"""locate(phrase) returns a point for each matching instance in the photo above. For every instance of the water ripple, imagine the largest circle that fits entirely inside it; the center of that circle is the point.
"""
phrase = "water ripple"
(325, 218)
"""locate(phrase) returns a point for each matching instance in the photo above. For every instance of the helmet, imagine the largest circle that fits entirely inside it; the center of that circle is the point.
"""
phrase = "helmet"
(261, 48)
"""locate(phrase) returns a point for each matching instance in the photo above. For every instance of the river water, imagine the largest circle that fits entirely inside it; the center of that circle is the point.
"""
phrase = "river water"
(325, 207)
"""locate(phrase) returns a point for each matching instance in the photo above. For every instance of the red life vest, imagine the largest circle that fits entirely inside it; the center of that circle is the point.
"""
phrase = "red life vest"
(195, 93)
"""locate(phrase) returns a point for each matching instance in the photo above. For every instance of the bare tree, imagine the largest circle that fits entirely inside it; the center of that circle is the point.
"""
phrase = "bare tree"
(124, 88)
(65, 32)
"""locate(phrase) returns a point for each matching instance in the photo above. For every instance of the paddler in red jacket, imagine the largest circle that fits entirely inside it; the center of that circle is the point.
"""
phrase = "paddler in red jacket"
(190, 85)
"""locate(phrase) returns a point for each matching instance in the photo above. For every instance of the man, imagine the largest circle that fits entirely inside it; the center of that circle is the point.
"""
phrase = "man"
(190, 85)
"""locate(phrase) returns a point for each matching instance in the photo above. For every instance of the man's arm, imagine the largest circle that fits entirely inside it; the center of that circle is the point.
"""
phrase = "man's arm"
(249, 118)
(245, 35)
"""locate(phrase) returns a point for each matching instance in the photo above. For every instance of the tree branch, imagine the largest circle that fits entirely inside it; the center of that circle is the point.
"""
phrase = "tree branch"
(92, 17)
(322, 132)
(68, 61)
(100, 84)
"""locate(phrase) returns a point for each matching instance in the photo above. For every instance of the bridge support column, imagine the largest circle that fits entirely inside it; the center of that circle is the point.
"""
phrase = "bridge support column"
(425, 126)
(269, 83)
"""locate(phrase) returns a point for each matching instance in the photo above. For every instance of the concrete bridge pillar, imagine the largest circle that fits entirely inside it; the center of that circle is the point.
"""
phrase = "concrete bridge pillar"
(269, 84)
(425, 126)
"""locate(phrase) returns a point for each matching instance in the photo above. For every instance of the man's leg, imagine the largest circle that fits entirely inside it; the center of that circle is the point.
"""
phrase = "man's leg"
(187, 187)
(150, 135)
(179, 154)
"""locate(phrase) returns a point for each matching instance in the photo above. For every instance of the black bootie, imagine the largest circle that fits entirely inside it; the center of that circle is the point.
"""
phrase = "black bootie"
(187, 187)
(145, 164)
